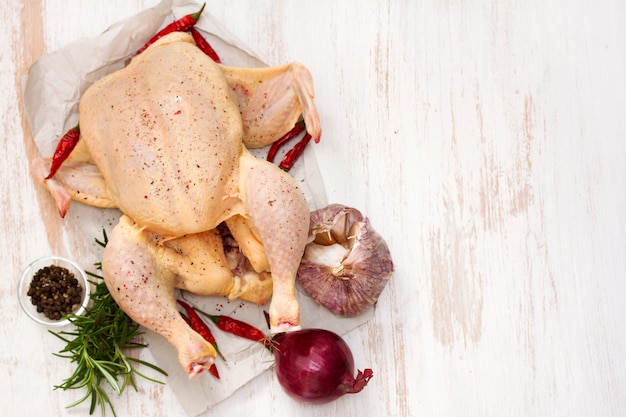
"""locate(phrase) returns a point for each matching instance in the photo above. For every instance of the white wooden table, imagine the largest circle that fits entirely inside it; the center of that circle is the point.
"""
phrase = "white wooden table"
(485, 140)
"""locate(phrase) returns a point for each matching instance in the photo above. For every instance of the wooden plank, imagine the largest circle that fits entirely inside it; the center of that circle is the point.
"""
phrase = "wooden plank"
(485, 141)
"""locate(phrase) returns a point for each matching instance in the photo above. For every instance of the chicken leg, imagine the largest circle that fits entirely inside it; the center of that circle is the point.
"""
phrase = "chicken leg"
(279, 212)
(145, 291)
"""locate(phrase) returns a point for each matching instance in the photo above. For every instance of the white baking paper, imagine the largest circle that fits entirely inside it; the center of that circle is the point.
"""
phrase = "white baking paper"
(51, 92)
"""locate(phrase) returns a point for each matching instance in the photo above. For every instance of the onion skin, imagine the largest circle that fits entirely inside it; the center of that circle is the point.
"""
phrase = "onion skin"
(316, 366)
(345, 282)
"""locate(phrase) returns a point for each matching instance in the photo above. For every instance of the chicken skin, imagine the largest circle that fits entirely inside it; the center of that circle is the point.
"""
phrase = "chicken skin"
(166, 140)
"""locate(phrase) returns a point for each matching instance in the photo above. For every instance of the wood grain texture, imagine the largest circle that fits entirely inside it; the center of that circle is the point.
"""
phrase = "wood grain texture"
(485, 141)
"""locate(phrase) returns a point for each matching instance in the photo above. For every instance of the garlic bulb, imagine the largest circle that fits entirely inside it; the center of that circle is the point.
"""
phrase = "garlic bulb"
(347, 264)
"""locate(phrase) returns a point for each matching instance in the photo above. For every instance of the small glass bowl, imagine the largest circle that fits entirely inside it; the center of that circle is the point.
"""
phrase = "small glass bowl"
(29, 273)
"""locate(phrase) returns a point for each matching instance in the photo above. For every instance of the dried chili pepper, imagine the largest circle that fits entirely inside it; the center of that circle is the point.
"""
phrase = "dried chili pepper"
(297, 129)
(199, 326)
(213, 367)
(239, 328)
(181, 25)
(64, 148)
(204, 45)
(294, 153)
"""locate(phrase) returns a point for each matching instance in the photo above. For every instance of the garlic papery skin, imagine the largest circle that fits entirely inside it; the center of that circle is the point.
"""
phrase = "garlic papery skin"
(347, 264)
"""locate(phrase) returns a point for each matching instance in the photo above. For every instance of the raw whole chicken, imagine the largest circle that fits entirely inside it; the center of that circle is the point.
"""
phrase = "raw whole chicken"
(166, 141)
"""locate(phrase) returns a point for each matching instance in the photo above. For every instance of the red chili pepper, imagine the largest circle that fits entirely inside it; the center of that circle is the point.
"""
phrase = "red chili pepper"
(204, 45)
(292, 156)
(181, 25)
(297, 129)
(64, 148)
(212, 368)
(239, 328)
(197, 324)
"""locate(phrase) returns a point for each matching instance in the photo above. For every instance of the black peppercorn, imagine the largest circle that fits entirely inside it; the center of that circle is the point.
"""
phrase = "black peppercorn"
(55, 292)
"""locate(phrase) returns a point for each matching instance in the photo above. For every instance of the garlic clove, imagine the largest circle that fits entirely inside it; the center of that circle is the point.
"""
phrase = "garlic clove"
(331, 256)
(347, 264)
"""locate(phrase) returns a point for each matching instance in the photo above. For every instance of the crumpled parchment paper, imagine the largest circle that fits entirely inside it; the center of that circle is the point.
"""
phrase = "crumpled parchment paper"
(51, 92)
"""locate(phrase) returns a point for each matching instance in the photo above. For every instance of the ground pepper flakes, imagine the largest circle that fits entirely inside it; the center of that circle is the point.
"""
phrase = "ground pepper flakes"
(55, 291)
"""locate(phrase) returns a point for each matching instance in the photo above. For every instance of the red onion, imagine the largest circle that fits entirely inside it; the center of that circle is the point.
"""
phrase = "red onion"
(316, 366)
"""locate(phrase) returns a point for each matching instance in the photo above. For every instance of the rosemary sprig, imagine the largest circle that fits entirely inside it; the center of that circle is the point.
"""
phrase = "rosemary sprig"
(97, 346)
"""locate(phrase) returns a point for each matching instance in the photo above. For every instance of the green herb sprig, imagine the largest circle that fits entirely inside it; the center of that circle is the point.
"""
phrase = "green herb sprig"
(97, 346)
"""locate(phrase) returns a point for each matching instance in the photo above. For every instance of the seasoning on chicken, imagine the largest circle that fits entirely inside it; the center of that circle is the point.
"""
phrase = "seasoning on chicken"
(166, 141)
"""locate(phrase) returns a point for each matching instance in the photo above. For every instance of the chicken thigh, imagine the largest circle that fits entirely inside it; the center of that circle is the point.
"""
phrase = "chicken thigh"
(165, 140)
